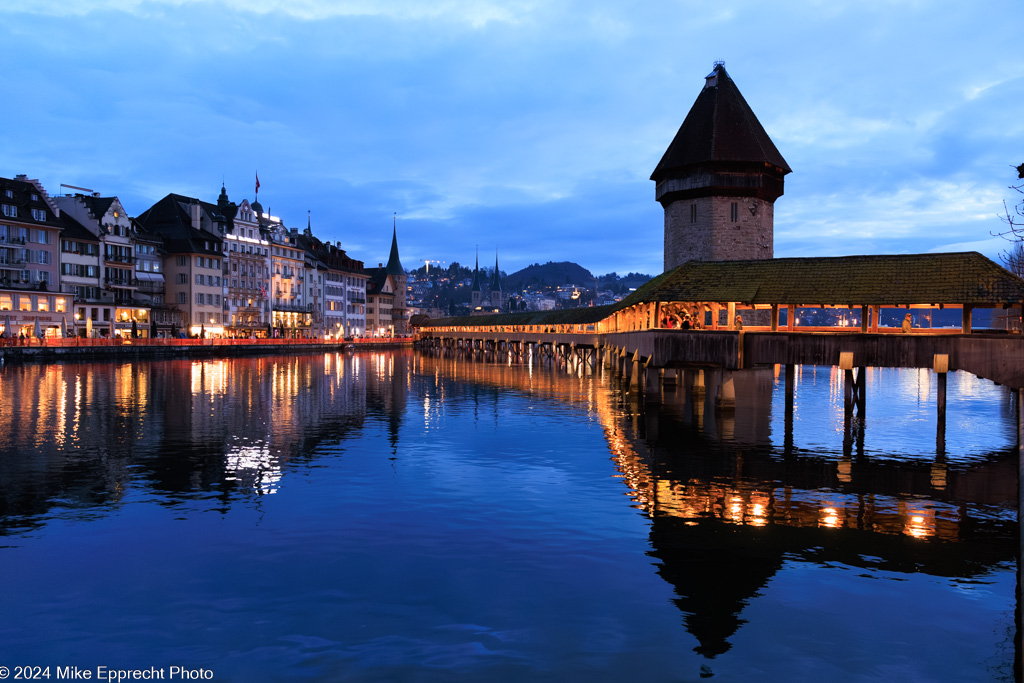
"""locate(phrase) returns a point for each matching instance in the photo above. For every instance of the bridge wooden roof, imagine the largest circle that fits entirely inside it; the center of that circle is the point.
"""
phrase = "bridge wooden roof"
(952, 278)
(964, 278)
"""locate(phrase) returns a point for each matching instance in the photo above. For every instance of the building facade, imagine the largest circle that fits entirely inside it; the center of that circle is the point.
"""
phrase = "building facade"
(30, 229)
(192, 232)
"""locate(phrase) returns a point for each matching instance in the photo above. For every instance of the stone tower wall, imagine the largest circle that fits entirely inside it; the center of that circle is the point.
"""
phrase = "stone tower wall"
(714, 236)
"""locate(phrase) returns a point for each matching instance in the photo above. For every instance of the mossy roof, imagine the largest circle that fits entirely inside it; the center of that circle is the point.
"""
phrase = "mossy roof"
(952, 278)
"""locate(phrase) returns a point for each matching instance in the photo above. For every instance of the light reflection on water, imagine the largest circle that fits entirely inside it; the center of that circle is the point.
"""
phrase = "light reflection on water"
(385, 516)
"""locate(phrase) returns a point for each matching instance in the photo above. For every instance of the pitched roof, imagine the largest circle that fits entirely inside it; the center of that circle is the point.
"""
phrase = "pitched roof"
(171, 220)
(886, 280)
(73, 230)
(891, 279)
(375, 285)
(22, 191)
(98, 206)
(720, 127)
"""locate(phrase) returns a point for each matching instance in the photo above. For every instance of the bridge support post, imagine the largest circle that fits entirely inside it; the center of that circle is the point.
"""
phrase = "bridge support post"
(668, 378)
(726, 398)
(1019, 650)
(652, 387)
(790, 384)
(940, 363)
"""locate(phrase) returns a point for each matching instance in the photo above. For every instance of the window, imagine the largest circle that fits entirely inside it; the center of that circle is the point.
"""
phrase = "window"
(43, 303)
(199, 279)
(182, 278)
(693, 213)
(182, 298)
(209, 299)
(61, 306)
(216, 299)
(734, 212)
(24, 302)
(183, 260)
(5, 302)
(39, 214)
(199, 298)
(9, 211)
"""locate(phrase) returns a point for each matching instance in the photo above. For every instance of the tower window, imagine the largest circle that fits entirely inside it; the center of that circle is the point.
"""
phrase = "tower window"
(693, 213)
(734, 212)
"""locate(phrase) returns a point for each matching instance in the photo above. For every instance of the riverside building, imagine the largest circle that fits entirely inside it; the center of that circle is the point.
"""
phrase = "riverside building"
(30, 231)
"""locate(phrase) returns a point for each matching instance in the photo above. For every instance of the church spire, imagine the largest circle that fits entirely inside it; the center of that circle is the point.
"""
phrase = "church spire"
(496, 279)
(476, 273)
(394, 265)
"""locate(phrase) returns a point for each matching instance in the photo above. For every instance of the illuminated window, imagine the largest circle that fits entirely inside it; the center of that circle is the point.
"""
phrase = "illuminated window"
(43, 303)
(5, 302)
(24, 302)
(61, 306)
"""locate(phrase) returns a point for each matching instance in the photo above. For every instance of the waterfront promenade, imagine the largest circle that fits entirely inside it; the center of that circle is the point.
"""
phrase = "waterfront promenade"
(49, 349)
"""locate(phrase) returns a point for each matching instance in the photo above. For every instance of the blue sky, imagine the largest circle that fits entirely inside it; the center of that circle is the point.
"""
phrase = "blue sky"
(530, 128)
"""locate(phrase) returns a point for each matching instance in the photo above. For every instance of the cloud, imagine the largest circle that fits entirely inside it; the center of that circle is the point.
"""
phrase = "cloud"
(474, 13)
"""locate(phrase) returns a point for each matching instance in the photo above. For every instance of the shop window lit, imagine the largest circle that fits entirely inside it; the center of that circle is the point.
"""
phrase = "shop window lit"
(43, 303)
(61, 306)
(5, 302)
(24, 302)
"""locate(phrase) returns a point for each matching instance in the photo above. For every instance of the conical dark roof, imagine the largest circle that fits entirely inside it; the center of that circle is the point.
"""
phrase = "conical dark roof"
(394, 266)
(720, 127)
(476, 276)
(496, 279)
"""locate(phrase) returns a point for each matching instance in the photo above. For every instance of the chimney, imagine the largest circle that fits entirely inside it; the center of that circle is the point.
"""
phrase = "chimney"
(194, 210)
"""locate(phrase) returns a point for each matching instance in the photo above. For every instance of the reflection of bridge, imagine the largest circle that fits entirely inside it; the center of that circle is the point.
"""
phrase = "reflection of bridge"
(727, 509)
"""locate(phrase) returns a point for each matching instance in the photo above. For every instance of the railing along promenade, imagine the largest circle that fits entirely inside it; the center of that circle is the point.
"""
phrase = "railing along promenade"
(57, 348)
(998, 356)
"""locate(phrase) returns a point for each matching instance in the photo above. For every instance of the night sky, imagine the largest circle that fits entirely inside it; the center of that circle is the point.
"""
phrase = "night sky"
(530, 128)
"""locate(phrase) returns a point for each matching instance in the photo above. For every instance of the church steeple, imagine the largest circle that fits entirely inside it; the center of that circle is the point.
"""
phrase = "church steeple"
(476, 274)
(496, 279)
(394, 266)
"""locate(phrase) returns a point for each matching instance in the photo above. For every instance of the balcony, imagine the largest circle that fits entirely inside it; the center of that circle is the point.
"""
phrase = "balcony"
(25, 285)
(118, 258)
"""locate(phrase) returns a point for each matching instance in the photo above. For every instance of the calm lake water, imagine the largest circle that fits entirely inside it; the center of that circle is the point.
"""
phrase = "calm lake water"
(395, 516)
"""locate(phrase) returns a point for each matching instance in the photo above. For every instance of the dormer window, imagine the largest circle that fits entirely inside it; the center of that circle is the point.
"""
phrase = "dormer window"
(8, 210)
(9, 193)
(35, 197)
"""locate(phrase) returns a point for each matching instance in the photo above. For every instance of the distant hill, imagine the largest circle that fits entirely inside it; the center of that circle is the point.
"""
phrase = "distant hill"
(549, 274)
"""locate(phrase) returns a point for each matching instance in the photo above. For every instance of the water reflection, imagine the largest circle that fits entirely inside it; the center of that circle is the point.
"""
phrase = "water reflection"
(733, 508)
(732, 500)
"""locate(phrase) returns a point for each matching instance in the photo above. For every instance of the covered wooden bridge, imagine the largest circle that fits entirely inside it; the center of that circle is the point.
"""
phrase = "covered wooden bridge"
(791, 311)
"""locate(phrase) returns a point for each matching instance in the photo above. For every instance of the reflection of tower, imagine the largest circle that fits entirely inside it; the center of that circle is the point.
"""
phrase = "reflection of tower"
(719, 179)
(715, 569)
